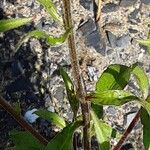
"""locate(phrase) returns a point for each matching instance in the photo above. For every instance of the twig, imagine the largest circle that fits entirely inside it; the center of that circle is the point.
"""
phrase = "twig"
(21, 121)
(127, 131)
(98, 14)
(77, 75)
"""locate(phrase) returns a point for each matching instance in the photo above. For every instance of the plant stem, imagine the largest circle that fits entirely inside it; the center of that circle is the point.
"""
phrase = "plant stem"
(127, 131)
(21, 121)
(98, 14)
(77, 75)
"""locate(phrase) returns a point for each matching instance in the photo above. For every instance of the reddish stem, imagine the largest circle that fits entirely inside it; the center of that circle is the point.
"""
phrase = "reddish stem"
(21, 121)
(127, 131)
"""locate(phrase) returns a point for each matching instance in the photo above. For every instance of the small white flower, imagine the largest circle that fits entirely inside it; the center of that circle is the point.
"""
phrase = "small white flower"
(30, 116)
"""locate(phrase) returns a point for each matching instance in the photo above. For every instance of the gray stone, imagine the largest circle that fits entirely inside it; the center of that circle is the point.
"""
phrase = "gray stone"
(132, 30)
(30, 3)
(87, 4)
(96, 41)
(110, 7)
(92, 73)
(128, 118)
(111, 110)
(145, 1)
(87, 27)
(126, 3)
(59, 95)
(133, 16)
(51, 109)
(123, 41)
(109, 51)
(112, 39)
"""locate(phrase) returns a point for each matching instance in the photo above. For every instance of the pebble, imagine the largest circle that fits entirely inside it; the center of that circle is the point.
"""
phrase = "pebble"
(123, 41)
(87, 27)
(87, 4)
(92, 73)
(128, 118)
(95, 40)
(132, 30)
(51, 109)
(111, 39)
(133, 16)
(59, 94)
(145, 1)
(127, 3)
(111, 110)
(110, 7)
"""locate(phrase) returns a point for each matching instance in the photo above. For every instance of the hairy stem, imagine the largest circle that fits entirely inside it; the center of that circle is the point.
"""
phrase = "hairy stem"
(127, 131)
(77, 75)
(21, 121)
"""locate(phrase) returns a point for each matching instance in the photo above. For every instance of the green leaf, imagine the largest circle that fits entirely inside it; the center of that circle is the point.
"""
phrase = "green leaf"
(103, 132)
(8, 24)
(112, 97)
(98, 109)
(22, 148)
(23, 139)
(63, 140)
(115, 77)
(145, 105)
(51, 9)
(52, 117)
(142, 80)
(43, 35)
(58, 40)
(74, 102)
(145, 120)
(146, 42)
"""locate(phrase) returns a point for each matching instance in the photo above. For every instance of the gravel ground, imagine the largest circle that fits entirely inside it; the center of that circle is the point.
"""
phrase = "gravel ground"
(31, 75)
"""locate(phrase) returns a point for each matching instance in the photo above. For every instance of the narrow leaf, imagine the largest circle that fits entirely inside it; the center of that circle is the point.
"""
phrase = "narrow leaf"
(142, 80)
(145, 120)
(145, 105)
(63, 140)
(58, 40)
(112, 97)
(103, 132)
(74, 102)
(51, 9)
(43, 35)
(52, 117)
(25, 139)
(115, 77)
(8, 24)
(146, 43)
